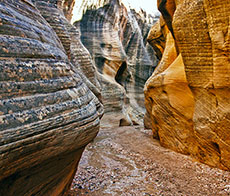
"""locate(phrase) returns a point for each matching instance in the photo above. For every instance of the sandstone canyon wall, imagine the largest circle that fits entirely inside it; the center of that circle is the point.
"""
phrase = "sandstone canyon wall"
(49, 103)
(116, 39)
(188, 96)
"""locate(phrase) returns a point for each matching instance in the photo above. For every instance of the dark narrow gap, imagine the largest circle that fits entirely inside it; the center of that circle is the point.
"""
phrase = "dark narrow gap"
(216, 147)
(119, 75)
(99, 61)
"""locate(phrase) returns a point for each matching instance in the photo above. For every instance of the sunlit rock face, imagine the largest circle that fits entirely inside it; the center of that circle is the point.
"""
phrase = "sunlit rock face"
(187, 96)
(67, 7)
(116, 39)
(48, 112)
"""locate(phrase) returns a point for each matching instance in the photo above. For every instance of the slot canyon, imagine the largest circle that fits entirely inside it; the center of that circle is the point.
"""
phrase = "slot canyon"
(118, 101)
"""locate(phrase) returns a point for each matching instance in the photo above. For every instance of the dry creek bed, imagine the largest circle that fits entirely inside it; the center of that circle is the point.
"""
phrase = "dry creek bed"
(126, 161)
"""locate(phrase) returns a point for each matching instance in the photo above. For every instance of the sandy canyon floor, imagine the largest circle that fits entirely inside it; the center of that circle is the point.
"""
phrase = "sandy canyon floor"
(125, 161)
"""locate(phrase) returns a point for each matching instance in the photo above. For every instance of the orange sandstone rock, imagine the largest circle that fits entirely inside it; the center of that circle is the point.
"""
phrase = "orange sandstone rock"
(187, 96)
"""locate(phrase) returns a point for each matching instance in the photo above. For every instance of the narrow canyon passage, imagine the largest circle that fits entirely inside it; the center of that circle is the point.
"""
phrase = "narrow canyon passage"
(127, 161)
(95, 82)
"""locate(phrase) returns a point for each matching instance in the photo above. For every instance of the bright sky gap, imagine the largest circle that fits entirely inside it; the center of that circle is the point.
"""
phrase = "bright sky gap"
(150, 6)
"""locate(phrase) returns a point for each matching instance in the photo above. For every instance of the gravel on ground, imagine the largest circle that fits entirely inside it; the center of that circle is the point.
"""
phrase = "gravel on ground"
(126, 161)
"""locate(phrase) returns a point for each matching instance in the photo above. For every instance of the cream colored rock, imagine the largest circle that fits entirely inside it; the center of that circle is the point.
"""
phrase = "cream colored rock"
(115, 37)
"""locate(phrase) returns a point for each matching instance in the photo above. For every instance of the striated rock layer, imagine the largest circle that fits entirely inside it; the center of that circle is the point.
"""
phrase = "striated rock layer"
(48, 109)
(187, 96)
(116, 39)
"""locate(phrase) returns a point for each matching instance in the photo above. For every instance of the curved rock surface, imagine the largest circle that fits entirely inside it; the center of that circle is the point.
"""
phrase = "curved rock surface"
(187, 97)
(116, 39)
(48, 113)
(70, 38)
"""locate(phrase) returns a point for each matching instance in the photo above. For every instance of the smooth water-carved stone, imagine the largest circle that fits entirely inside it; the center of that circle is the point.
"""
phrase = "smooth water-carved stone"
(116, 39)
(48, 114)
(70, 38)
(187, 97)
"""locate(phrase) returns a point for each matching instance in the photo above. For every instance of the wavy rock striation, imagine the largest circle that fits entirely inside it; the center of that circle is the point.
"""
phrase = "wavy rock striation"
(48, 113)
(187, 97)
(70, 38)
(116, 39)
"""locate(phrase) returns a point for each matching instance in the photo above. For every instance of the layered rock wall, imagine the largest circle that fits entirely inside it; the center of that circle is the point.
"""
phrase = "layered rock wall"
(48, 114)
(187, 97)
(116, 38)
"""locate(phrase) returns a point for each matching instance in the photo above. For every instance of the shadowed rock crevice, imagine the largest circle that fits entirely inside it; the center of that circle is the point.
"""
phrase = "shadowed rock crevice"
(120, 74)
